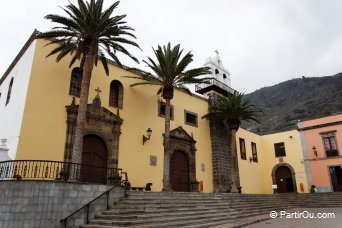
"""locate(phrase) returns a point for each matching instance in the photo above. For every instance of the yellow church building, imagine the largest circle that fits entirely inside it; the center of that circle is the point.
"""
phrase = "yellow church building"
(125, 125)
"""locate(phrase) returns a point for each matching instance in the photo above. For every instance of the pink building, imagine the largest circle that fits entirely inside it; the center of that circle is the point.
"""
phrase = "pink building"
(322, 150)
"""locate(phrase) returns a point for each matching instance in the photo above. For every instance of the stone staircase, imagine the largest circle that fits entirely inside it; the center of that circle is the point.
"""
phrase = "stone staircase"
(179, 209)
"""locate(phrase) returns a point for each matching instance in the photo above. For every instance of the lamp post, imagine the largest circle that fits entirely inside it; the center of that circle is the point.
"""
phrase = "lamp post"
(148, 133)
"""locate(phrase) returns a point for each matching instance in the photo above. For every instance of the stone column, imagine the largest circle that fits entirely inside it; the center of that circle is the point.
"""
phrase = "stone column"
(221, 157)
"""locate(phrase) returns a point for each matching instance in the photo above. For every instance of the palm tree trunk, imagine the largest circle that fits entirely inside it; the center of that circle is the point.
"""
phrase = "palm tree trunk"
(167, 148)
(82, 111)
(233, 187)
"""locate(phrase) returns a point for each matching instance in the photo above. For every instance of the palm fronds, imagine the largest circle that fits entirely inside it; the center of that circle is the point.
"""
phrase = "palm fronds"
(169, 69)
(232, 108)
(87, 27)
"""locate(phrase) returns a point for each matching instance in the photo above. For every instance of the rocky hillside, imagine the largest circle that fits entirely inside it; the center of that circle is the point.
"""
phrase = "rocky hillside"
(297, 99)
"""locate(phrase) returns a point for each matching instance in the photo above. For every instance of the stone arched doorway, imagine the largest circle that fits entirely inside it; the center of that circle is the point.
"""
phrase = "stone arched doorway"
(94, 160)
(183, 151)
(179, 172)
(103, 129)
(283, 176)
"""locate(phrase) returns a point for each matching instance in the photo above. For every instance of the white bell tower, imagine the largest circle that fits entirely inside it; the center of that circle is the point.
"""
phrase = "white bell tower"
(219, 72)
(220, 78)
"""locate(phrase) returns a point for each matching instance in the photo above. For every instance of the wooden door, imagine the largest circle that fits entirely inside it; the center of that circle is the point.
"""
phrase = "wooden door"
(336, 178)
(179, 172)
(284, 179)
(94, 160)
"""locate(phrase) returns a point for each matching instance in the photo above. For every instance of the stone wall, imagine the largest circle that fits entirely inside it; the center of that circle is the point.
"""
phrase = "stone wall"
(42, 204)
(221, 157)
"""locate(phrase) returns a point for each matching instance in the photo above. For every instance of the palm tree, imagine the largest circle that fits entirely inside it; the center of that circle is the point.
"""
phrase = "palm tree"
(88, 34)
(170, 74)
(232, 109)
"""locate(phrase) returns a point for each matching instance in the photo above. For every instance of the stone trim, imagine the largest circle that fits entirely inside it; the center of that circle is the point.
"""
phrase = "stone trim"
(172, 110)
(191, 113)
(182, 141)
(100, 122)
(292, 172)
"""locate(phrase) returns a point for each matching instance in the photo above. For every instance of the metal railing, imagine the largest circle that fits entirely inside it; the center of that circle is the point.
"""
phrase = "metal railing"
(87, 206)
(213, 82)
(60, 171)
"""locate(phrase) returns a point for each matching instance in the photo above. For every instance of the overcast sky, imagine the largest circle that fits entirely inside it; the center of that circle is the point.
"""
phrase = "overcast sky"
(261, 42)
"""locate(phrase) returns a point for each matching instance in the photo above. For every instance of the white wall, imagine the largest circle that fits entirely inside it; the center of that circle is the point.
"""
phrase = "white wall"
(11, 114)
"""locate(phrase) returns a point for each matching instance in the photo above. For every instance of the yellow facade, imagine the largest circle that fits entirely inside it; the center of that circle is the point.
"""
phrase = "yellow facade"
(43, 131)
(251, 173)
(43, 138)
(257, 177)
(294, 157)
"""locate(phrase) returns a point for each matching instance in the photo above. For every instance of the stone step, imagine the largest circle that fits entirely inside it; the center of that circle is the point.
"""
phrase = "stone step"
(197, 210)
(139, 220)
(163, 213)
(202, 222)
(160, 221)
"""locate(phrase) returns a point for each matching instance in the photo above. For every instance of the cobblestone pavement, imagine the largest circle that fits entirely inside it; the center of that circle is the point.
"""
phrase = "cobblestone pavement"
(293, 219)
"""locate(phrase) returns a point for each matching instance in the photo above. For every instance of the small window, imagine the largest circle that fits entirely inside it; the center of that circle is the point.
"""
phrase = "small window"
(190, 118)
(242, 149)
(254, 152)
(9, 92)
(224, 76)
(330, 145)
(75, 82)
(217, 71)
(161, 110)
(116, 94)
(279, 149)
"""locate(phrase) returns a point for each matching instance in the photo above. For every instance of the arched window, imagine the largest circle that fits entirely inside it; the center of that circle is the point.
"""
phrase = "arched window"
(9, 92)
(216, 71)
(224, 76)
(116, 94)
(75, 82)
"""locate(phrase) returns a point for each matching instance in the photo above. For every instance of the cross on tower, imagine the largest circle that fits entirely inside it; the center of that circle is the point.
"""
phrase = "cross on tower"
(98, 91)
(217, 52)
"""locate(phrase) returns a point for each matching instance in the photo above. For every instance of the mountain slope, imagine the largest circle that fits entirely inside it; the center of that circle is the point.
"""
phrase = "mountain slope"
(297, 99)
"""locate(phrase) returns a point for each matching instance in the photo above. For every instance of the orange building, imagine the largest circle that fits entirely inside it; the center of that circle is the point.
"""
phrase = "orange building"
(322, 150)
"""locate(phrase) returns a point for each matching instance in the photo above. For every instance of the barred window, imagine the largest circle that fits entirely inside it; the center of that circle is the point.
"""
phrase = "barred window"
(279, 149)
(254, 152)
(161, 110)
(330, 144)
(116, 94)
(75, 82)
(190, 118)
(242, 148)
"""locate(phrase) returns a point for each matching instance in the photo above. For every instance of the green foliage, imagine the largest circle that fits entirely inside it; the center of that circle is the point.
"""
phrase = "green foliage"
(233, 109)
(170, 70)
(87, 27)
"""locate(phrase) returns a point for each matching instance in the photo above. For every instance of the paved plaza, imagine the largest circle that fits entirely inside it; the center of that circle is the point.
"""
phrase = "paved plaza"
(295, 221)
(305, 222)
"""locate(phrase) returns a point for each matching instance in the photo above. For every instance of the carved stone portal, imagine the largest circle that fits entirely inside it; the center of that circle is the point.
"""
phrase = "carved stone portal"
(182, 141)
(100, 122)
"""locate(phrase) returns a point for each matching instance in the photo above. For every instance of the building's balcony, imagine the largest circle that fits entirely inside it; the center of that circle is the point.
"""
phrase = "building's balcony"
(214, 85)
